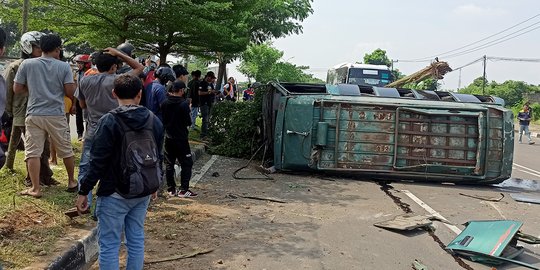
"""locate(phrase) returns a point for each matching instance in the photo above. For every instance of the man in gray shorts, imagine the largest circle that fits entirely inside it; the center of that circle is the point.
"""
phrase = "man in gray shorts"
(47, 80)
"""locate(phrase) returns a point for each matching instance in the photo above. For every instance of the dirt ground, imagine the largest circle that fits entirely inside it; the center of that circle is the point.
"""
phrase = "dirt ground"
(212, 222)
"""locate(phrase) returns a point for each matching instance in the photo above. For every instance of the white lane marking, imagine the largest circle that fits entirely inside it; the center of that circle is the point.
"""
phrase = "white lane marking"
(492, 204)
(204, 169)
(536, 173)
(430, 210)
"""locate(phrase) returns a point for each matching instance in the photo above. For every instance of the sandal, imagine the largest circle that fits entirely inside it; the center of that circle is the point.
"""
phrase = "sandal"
(72, 189)
(27, 192)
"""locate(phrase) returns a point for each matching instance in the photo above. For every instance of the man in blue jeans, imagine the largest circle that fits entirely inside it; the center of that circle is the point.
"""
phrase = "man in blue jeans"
(94, 94)
(524, 117)
(115, 212)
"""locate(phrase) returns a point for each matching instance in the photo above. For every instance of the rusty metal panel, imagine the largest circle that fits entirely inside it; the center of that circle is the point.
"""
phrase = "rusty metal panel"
(365, 137)
(437, 141)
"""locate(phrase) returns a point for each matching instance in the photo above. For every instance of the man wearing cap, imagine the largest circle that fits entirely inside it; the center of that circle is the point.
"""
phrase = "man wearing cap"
(206, 97)
(176, 120)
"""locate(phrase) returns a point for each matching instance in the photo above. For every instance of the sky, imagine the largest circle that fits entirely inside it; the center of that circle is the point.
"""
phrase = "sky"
(344, 30)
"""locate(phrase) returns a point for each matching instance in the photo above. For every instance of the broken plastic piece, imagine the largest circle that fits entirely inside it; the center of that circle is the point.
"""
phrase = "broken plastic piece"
(418, 265)
(484, 198)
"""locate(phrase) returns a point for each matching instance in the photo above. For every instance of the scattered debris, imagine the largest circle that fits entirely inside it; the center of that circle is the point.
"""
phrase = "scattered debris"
(490, 242)
(178, 257)
(235, 196)
(484, 198)
(406, 222)
(528, 198)
(215, 174)
(418, 265)
(527, 238)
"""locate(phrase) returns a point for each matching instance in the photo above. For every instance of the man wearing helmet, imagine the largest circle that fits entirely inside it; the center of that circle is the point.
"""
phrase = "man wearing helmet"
(155, 93)
(127, 49)
(47, 80)
(83, 65)
(16, 108)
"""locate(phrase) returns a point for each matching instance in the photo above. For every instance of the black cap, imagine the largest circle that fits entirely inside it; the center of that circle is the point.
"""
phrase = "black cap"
(179, 85)
(211, 74)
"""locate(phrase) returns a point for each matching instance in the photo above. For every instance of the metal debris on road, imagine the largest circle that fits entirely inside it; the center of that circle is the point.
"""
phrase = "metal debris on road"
(406, 222)
(489, 242)
(484, 198)
(528, 198)
(178, 257)
(235, 196)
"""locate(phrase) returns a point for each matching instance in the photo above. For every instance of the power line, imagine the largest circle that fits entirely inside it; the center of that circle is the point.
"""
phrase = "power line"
(490, 44)
(470, 44)
(533, 60)
(471, 63)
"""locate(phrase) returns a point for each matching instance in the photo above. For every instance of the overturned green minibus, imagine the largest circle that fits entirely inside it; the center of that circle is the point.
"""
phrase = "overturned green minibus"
(388, 133)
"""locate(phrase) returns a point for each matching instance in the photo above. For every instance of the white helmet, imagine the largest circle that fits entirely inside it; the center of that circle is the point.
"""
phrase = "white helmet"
(30, 38)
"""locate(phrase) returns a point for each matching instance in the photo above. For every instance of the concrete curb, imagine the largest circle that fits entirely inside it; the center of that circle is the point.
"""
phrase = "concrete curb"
(533, 134)
(84, 252)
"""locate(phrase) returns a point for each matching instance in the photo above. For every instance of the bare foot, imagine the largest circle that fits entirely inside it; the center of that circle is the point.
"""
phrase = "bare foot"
(30, 192)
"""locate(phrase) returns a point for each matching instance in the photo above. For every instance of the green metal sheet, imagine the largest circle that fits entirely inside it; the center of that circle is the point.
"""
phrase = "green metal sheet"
(486, 237)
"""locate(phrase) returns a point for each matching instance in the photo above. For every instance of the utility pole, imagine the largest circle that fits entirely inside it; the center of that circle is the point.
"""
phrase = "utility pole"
(484, 77)
(26, 7)
(459, 81)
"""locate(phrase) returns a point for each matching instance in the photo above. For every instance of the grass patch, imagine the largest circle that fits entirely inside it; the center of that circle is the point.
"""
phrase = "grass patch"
(30, 227)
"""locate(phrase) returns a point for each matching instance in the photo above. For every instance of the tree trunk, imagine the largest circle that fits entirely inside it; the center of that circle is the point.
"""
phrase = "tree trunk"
(26, 7)
(222, 70)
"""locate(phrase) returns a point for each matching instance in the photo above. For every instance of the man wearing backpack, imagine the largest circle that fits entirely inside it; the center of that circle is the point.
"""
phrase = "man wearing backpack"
(126, 159)
(95, 96)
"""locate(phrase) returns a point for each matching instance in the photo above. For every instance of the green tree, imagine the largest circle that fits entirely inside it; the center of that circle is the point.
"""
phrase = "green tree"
(261, 62)
(377, 57)
(513, 92)
(258, 61)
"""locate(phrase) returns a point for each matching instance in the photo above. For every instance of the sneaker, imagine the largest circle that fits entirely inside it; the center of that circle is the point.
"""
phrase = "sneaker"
(187, 194)
(172, 193)
(531, 142)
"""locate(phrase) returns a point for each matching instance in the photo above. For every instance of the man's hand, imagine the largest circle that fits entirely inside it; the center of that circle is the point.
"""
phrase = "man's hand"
(154, 196)
(82, 203)
(113, 51)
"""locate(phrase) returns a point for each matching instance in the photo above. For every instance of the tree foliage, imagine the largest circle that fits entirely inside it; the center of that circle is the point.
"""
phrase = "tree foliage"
(377, 57)
(262, 63)
(161, 27)
(512, 92)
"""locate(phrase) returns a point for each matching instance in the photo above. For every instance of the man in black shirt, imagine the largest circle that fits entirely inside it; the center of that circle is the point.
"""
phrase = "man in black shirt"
(207, 95)
(193, 95)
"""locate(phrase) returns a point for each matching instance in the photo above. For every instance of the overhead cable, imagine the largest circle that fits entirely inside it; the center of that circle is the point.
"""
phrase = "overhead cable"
(422, 59)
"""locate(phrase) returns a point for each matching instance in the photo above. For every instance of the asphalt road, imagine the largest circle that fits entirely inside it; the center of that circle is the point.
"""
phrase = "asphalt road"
(327, 222)
(526, 165)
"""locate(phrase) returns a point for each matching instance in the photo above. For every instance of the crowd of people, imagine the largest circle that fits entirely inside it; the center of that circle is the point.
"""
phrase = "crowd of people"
(133, 120)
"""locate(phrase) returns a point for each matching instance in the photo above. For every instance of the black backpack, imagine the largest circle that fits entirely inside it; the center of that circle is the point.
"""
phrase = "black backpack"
(139, 161)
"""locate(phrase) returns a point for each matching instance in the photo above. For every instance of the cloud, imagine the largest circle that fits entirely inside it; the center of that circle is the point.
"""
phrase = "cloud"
(474, 10)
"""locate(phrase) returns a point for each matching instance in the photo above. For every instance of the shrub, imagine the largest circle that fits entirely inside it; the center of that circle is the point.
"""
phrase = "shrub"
(235, 128)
